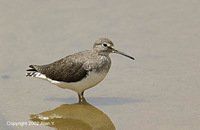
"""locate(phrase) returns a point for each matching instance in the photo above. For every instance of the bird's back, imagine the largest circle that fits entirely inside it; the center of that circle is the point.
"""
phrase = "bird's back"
(73, 68)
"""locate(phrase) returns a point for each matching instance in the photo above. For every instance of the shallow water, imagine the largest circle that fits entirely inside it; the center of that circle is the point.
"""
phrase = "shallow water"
(157, 91)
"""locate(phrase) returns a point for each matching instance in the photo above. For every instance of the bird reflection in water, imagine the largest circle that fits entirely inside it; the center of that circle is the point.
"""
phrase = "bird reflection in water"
(81, 116)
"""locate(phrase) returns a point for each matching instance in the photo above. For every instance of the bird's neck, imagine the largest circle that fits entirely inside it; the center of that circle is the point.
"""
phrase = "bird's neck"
(101, 52)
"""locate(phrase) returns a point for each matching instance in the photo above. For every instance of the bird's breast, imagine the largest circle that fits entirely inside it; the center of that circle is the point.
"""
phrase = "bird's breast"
(100, 65)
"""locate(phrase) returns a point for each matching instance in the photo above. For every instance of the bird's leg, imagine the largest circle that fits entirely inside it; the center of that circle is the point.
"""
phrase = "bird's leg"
(81, 97)
(82, 94)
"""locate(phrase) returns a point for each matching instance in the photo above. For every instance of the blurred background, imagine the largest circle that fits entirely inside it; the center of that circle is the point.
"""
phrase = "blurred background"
(157, 91)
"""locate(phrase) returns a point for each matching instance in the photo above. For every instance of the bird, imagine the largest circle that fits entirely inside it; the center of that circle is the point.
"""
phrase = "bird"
(80, 71)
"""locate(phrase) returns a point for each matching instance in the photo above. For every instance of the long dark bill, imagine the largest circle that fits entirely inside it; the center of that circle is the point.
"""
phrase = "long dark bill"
(122, 53)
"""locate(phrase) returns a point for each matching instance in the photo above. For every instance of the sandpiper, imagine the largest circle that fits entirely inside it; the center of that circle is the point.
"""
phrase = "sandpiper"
(79, 71)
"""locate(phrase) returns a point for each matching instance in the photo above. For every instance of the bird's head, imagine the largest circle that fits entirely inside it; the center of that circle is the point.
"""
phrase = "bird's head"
(106, 46)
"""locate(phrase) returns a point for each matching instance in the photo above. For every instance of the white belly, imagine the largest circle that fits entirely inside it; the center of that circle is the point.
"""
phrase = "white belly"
(88, 82)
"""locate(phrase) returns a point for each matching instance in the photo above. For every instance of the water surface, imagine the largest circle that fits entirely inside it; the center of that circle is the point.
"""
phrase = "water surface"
(157, 91)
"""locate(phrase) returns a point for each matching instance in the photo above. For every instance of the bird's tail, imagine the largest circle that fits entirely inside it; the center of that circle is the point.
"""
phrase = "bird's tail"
(31, 74)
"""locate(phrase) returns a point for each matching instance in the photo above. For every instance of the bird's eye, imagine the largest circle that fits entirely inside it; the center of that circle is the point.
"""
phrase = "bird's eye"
(105, 45)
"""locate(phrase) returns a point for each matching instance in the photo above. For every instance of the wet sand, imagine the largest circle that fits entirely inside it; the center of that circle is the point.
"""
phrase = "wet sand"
(157, 91)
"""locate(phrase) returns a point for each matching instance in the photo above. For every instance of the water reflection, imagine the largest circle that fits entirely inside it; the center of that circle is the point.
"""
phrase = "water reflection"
(82, 116)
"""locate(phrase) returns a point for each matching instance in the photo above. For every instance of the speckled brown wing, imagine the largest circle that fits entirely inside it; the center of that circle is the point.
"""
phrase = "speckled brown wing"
(66, 70)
